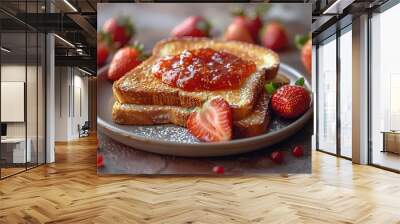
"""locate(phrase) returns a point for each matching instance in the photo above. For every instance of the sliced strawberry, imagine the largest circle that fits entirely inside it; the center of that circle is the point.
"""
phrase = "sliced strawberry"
(290, 101)
(213, 122)
(120, 30)
(193, 26)
(125, 60)
(274, 36)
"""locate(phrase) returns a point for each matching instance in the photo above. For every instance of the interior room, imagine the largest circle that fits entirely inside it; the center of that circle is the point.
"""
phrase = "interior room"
(48, 150)
(336, 82)
(385, 82)
(47, 84)
(22, 99)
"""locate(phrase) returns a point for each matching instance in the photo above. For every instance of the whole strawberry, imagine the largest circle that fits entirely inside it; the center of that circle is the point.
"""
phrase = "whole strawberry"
(238, 32)
(304, 44)
(274, 36)
(306, 55)
(213, 122)
(100, 160)
(290, 101)
(252, 23)
(193, 26)
(125, 60)
(102, 54)
(120, 30)
(298, 151)
(277, 157)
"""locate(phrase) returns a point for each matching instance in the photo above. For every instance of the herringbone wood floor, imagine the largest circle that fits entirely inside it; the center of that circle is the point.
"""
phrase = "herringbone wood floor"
(69, 191)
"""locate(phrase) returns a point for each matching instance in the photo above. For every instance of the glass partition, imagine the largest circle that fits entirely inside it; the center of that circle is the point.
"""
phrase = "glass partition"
(23, 90)
(345, 41)
(326, 105)
(14, 153)
(385, 89)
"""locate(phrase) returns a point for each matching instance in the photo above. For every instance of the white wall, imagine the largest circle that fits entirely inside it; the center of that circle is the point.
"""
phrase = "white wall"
(16, 73)
(61, 103)
(33, 127)
(71, 93)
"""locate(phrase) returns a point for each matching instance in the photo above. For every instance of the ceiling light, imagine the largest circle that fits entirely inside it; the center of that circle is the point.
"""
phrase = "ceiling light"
(64, 40)
(84, 71)
(5, 49)
(70, 5)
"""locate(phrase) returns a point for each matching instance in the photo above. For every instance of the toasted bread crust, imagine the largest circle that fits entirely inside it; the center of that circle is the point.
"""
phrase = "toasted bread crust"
(149, 114)
(255, 124)
(140, 87)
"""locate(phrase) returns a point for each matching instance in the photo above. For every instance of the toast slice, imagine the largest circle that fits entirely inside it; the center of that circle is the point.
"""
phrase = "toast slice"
(140, 87)
(255, 124)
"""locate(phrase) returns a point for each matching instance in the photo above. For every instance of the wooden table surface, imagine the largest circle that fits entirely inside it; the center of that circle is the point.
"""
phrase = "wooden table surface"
(153, 22)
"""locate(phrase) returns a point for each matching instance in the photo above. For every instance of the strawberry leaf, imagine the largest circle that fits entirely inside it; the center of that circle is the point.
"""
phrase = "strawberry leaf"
(204, 25)
(126, 22)
(301, 40)
(299, 82)
(238, 12)
(138, 46)
(262, 9)
(270, 88)
(143, 56)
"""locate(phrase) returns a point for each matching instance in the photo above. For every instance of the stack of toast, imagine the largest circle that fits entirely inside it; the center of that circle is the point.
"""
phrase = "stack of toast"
(142, 99)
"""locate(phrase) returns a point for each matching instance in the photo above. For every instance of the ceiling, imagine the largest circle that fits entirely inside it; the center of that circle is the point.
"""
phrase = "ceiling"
(331, 15)
(72, 20)
(76, 21)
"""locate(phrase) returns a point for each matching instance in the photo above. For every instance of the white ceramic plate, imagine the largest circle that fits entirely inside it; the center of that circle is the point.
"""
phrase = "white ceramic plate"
(174, 140)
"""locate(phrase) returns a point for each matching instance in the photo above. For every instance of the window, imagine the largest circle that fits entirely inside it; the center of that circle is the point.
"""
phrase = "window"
(345, 43)
(22, 76)
(326, 136)
(385, 89)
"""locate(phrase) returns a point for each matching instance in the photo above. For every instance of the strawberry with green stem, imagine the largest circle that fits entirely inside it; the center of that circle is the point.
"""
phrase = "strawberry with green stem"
(120, 30)
(273, 36)
(252, 22)
(289, 101)
(104, 48)
(125, 60)
(304, 43)
(193, 26)
(238, 32)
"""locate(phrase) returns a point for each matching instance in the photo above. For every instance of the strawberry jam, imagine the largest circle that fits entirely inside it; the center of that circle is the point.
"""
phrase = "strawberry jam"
(203, 69)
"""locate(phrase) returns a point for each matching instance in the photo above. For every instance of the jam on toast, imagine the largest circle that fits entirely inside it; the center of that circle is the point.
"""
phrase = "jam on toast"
(141, 87)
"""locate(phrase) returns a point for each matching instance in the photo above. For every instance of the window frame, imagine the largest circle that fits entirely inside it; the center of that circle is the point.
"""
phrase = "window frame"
(378, 10)
(344, 27)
